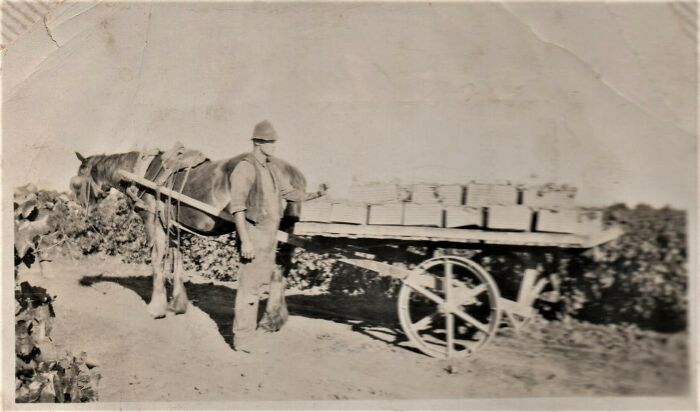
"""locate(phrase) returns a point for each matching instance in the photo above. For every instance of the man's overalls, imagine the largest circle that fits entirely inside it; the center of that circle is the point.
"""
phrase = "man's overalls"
(258, 188)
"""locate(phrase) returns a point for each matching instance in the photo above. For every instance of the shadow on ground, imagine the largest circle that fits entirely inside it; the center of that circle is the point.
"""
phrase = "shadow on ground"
(375, 318)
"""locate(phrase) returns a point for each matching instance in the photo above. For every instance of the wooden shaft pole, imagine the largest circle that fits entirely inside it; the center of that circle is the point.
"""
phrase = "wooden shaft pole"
(204, 207)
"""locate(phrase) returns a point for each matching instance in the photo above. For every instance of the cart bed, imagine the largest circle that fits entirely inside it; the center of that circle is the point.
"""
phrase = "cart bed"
(473, 236)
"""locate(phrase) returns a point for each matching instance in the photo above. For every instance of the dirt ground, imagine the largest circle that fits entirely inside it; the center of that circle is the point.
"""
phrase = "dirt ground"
(325, 352)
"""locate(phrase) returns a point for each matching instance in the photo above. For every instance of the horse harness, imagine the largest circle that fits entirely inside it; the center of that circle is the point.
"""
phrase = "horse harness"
(165, 169)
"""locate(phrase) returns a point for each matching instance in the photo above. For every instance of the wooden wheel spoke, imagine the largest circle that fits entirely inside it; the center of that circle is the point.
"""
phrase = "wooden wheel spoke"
(464, 295)
(433, 340)
(448, 275)
(477, 290)
(450, 334)
(426, 280)
(471, 320)
(426, 321)
(423, 291)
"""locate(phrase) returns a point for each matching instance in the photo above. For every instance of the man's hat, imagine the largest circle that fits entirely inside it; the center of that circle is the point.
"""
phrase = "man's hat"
(265, 131)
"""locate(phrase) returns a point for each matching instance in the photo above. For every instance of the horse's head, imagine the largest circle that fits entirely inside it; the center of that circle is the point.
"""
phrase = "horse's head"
(83, 186)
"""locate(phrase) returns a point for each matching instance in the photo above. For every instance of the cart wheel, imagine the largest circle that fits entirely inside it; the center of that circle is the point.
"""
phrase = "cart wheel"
(452, 321)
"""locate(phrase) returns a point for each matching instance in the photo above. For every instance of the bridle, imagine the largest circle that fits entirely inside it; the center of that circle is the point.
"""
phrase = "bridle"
(88, 188)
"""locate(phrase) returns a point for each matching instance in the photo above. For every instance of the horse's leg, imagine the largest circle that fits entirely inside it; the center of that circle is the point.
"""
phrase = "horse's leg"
(276, 313)
(180, 301)
(159, 242)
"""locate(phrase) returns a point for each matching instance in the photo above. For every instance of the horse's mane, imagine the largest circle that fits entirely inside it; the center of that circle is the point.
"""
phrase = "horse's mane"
(296, 178)
(103, 168)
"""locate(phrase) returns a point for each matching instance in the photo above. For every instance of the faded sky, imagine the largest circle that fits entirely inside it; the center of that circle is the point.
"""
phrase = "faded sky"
(598, 95)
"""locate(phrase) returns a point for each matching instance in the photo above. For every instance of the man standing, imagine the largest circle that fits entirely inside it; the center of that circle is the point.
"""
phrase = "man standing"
(257, 191)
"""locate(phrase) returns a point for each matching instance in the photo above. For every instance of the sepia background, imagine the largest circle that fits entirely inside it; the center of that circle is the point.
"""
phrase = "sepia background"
(599, 95)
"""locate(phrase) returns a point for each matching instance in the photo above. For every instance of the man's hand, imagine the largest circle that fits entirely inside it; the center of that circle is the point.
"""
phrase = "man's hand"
(247, 250)
(322, 188)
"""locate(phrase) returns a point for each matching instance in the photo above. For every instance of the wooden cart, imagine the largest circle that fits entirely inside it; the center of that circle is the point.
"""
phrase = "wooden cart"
(449, 305)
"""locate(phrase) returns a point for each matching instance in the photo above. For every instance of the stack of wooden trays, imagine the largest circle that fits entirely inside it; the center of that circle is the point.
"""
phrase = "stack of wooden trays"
(494, 206)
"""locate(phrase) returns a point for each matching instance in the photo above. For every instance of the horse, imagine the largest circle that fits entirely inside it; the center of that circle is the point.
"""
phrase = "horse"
(208, 182)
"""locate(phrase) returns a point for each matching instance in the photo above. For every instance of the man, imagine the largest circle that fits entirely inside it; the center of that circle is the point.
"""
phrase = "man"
(257, 192)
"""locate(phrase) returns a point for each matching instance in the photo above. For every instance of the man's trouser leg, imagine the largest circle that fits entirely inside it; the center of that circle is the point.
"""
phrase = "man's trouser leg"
(252, 276)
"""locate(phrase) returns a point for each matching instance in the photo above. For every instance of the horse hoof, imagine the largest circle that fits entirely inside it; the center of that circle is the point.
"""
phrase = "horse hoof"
(156, 315)
(158, 308)
(268, 326)
(272, 323)
(179, 305)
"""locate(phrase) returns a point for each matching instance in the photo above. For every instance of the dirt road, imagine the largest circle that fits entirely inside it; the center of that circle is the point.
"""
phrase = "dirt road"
(325, 357)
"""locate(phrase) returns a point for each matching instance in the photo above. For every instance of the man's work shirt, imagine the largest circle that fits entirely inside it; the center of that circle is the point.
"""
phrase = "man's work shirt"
(274, 187)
